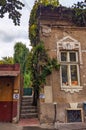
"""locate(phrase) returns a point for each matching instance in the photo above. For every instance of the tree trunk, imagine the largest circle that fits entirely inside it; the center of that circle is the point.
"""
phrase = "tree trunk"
(35, 97)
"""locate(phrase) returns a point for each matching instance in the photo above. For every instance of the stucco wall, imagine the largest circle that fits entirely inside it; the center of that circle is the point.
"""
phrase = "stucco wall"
(51, 44)
(51, 32)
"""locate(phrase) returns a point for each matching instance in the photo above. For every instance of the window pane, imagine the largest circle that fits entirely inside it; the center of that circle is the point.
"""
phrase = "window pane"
(64, 75)
(74, 78)
(72, 56)
(63, 56)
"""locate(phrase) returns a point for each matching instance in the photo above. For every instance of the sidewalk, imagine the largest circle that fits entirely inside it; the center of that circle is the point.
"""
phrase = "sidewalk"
(65, 126)
(20, 125)
(71, 126)
(10, 126)
(33, 124)
(29, 122)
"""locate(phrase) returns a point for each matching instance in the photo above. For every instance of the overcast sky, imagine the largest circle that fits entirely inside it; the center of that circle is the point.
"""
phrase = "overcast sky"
(10, 34)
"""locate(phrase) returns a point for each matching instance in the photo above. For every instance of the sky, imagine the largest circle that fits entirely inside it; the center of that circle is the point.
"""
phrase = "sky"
(10, 34)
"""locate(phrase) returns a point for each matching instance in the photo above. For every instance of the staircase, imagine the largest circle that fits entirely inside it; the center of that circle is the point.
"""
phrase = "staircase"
(27, 109)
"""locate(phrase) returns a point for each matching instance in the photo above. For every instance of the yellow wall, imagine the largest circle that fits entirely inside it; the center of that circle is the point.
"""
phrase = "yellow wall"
(6, 87)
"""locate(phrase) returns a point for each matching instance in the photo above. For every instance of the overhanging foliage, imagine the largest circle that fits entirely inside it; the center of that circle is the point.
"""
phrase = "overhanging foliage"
(33, 22)
(11, 7)
(77, 16)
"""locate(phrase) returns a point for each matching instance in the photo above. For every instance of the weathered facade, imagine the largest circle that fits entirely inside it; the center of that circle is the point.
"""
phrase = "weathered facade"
(65, 90)
(9, 92)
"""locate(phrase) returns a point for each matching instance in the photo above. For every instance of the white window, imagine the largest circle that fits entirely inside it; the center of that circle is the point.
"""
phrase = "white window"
(70, 58)
(69, 68)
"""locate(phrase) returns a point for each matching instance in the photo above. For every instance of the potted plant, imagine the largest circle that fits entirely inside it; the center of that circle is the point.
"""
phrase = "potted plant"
(27, 90)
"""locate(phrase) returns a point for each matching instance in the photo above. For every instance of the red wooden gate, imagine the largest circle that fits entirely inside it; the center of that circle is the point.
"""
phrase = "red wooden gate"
(5, 111)
(6, 87)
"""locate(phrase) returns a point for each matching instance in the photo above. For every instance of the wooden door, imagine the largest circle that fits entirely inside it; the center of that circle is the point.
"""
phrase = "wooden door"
(6, 87)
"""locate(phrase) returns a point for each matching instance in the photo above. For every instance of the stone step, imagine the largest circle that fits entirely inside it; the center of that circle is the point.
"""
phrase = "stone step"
(28, 107)
(27, 97)
(27, 100)
(29, 111)
(26, 103)
(29, 115)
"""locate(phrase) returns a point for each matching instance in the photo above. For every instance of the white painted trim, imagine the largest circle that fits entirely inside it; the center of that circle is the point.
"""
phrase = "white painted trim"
(68, 37)
(71, 89)
(66, 45)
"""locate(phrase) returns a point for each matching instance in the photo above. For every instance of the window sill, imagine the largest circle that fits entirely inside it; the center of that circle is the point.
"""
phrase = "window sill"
(71, 89)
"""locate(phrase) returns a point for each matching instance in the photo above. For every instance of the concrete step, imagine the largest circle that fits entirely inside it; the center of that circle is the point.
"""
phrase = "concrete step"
(27, 97)
(26, 103)
(27, 100)
(28, 107)
(29, 115)
(29, 111)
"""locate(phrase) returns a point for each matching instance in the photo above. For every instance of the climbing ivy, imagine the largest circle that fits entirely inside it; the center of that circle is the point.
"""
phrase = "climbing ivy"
(33, 22)
(54, 3)
(79, 17)
(41, 66)
(33, 26)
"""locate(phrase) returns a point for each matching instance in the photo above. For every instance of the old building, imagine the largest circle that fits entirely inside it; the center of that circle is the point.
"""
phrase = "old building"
(9, 92)
(65, 91)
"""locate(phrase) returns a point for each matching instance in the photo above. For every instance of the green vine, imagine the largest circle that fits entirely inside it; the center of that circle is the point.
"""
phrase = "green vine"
(41, 67)
(77, 16)
(27, 80)
(41, 64)
(33, 26)
(33, 22)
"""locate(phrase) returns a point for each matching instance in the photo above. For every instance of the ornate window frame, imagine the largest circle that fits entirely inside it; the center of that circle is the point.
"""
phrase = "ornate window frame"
(69, 44)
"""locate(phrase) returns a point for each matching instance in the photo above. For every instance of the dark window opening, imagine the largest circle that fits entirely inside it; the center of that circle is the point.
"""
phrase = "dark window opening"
(74, 116)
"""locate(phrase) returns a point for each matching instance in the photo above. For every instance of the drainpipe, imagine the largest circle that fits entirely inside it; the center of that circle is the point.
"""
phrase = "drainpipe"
(55, 112)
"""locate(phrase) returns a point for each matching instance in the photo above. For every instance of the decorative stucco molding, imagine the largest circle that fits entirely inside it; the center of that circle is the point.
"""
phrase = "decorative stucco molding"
(68, 43)
(46, 31)
(73, 105)
(72, 89)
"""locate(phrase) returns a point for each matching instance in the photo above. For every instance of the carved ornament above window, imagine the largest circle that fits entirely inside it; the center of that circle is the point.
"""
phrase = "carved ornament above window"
(68, 43)
(69, 56)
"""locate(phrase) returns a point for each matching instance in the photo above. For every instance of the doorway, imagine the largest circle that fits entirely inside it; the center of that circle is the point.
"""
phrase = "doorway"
(6, 87)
